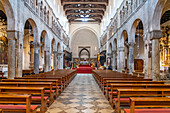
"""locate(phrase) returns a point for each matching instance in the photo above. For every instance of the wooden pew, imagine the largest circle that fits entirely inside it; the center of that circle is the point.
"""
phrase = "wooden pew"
(2, 75)
(29, 90)
(46, 85)
(145, 102)
(54, 82)
(60, 81)
(16, 100)
(123, 95)
(109, 82)
(114, 88)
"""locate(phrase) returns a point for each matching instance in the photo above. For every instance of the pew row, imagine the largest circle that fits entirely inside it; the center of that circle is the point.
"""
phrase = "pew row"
(151, 105)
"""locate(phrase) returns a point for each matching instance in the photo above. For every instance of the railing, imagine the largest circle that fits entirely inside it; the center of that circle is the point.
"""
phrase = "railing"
(44, 12)
(127, 8)
(124, 12)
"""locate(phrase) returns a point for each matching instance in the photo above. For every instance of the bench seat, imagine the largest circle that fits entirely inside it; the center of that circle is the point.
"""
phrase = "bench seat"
(48, 91)
(20, 107)
(39, 97)
(114, 92)
(149, 110)
(122, 99)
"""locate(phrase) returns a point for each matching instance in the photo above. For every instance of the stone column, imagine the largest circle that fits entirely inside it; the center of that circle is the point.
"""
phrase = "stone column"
(32, 56)
(12, 36)
(131, 57)
(36, 58)
(147, 63)
(60, 60)
(55, 59)
(107, 46)
(155, 36)
(122, 58)
(19, 54)
(47, 53)
(49, 62)
(114, 60)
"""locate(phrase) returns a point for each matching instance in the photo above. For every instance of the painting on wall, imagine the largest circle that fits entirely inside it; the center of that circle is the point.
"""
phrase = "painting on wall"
(3, 50)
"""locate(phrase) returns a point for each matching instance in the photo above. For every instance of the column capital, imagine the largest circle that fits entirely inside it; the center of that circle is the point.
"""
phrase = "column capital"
(131, 44)
(36, 44)
(114, 51)
(156, 34)
(47, 49)
(55, 52)
(121, 49)
(12, 34)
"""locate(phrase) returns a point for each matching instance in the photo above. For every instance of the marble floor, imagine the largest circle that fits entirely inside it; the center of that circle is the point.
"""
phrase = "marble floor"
(82, 96)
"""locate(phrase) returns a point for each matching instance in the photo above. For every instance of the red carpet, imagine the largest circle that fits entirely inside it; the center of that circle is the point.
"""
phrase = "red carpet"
(85, 69)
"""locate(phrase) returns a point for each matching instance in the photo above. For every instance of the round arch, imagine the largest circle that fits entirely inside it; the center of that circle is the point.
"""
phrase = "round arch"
(58, 47)
(10, 14)
(83, 28)
(46, 40)
(133, 29)
(158, 14)
(87, 52)
(34, 28)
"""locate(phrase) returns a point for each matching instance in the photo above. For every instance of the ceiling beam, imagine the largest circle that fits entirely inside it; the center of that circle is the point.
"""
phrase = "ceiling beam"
(84, 14)
(100, 18)
(73, 8)
(100, 3)
(86, 21)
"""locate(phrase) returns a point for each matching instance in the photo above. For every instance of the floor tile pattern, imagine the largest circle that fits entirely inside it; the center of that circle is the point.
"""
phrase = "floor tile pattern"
(82, 96)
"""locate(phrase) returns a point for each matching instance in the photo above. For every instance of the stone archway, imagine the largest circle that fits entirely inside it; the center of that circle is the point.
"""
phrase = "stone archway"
(12, 35)
(30, 46)
(125, 50)
(81, 53)
(156, 34)
(84, 38)
(136, 45)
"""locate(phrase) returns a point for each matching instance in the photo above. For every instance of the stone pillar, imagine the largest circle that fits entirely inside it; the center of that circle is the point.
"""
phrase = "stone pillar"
(19, 54)
(131, 57)
(60, 60)
(147, 63)
(47, 54)
(49, 62)
(155, 36)
(107, 46)
(121, 58)
(114, 60)
(36, 58)
(11, 53)
(55, 59)
(32, 56)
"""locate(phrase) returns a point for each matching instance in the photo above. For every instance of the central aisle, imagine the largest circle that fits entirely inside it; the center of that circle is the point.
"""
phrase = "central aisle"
(82, 96)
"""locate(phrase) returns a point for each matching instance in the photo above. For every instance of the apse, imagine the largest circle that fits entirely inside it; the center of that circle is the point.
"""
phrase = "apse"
(84, 39)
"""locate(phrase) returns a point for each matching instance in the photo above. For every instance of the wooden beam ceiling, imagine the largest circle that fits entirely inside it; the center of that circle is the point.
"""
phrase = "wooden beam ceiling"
(74, 8)
(84, 9)
(101, 3)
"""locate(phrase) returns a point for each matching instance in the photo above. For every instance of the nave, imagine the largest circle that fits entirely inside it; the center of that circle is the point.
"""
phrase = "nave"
(83, 95)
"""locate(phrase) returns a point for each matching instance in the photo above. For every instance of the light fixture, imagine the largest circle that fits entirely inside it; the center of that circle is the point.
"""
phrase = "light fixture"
(85, 20)
(87, 16)
(82, 16)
